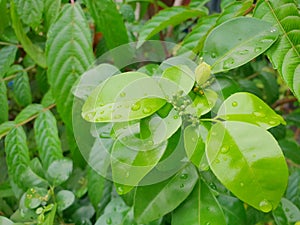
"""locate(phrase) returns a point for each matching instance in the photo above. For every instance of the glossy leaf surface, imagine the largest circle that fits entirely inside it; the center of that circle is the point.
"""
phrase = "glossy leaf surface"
(123, 97)
(200, 208)
(236, 42)
(154, 201)
(3, 102)
(252, 169)
(248, 108)
(22, 90)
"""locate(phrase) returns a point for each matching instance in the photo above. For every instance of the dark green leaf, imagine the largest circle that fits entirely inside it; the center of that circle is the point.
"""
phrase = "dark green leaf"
(35, 52)
(59, 171)
(285, 53)
(293, 189)
(254, 169)
(154, 201)
(248, 108)
(31, 11)
(105, 14)
(7, 57)
(21, 89)
(6, 127)
(52, 8)
(290, 149)
(69, 54)
(29, 111)
(47, 140)
(64, 199)
(236, 42)
(200, 208)
(4, 22)
(3, 102)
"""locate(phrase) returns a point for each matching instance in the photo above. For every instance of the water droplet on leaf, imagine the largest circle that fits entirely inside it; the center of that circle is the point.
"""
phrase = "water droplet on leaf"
(120, 190)
(122, 94)
(272, 122)
(184, 176)
(257, 49)
(136, 106)
(244, 52)
(147, 110)
(181, 186)
(105, 135)
(265, 206)
(176, 117)
(242, 184)
(259, 114)
(234, 104)
(213, 55)
(273, 29)
(108, 220)
(227, 63)
(225, 149)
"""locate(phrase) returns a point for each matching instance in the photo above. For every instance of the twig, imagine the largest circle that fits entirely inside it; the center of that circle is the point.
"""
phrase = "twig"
(13, 76)
(10, 44)
(252, 76)
(291, 163)
(250, 9)
(283, 101)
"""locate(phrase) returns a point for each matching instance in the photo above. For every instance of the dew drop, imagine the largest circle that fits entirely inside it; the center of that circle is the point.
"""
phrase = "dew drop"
(108, 220)
(242, 184)
(244, 52)
(181, 186)
(120, 190)
(176, 117)
(265, 206)
(260, 107)
(227, 63)
(208, 223)
(122, 94)
(204, 167)
(136, 106)
(225, 149)
(213, 55)
(105, 135)
(217, 161)
(184, 176)
(257, 49)
(272, 122)
(213, 133)
(234, 104)
(150, 142)
(127, 174)
(259, 114)
(287, 209)
(194, 139)
(147, 110)
(267, 40)
(213, 186)
(273, 29)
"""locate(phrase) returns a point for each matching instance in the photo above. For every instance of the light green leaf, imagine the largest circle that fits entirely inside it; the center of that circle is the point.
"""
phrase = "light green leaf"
(64, 199)
(17, 155)
(69, 40)
(31, 11)
(194, 144)
(4, 22)
(156, 200)
(21, 89)
(35, 196)
(132, 162)
(47, 140)
(285, 53)
(253, 168)
(29, 111)
(236, 42)
(105, 13)
(5, 221)
(246, 107)
(6, 127)
(52, 8)
(123, 97)
(200, 208)
(7, 57)
(177, 78)
(35, 52)
(3, 102)
(50, 216)
(167, 17)
(59, 171)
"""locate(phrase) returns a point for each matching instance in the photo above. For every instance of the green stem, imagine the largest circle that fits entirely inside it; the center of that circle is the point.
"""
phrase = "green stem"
(215, 120)
(9, 44)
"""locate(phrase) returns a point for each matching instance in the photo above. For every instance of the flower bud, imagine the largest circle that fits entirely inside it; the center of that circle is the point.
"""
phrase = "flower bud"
(202, 73)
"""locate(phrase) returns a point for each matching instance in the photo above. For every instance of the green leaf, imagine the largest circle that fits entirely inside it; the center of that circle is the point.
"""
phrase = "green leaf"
(177, 78)
(200, 208)
(132, 162)
(290, 149)
(194, 144)
(123, 97)
(51, 12)
(47, 140)
(5, 221)
(156, 200)
(6, 127)
(21, 89)
(50, 217)
(35, 196)
(4, 22)
(17, 155)
(248, 108)
(233, 209)
(69, 40)
(253, 168)
(167, 17)
(286, 213)
(30, 11)
(29, 111)
(8, 54)
(105, 14)
(293, 189)
(59, 171)
(236, 42)
(64, 199)
(35, 52)
(285, 53)
(3, 102)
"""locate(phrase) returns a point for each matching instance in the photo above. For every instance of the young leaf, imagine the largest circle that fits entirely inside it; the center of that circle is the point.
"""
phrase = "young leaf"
(64, 199)
(248, 108)
(236, 42)
(17, 155)
(29, 111)
(69, 54)
(285, 53)
(47, 140)
(52, 8)
(253, 168)
(123, 97)
(167, 17)
(105, 13)
(3, 102)
(35, 52)
(50, 216)
(200, 208)
(59, 171)
(156, 200)
(6, 127)
(286, 213)
(31, 11)
(7, 57)
(21, 89)
(4, 22)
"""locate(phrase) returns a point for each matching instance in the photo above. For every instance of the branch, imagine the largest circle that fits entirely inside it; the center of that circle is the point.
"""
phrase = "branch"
(283, 101)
